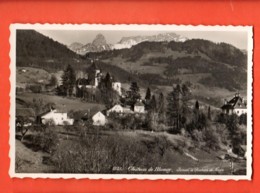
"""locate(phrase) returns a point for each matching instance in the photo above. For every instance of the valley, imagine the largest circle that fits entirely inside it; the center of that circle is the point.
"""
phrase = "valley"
(155, 101)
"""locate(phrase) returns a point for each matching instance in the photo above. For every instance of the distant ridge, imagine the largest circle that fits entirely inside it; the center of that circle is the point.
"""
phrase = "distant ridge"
(128, 42)
(99, 44)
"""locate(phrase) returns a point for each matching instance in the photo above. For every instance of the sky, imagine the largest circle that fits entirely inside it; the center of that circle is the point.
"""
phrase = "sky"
(67, 37)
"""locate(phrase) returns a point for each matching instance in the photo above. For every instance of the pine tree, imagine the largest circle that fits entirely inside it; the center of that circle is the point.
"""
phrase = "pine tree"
(161, 108)
(209, 113)
(161, 103)
(108, 81)
(148, 94)
(53, 81)
(174, 108)
(134, 93)
(153, 104)
(68, 80)
(197, 105)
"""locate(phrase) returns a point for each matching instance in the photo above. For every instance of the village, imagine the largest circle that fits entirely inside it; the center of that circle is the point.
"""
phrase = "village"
(87, 83)
(94, 103)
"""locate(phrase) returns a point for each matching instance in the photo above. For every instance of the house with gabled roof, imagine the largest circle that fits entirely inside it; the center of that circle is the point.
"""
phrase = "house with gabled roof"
(95, 116)
(115, 109)
(236, 105)
(139, 107)
(99, 119)
(56, 117)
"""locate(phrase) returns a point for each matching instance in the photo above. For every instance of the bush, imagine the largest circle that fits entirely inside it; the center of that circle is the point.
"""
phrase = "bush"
(99, 154)
(46, 140)
(243, 119)
(34, 88)
(223, 133)
(211, 138)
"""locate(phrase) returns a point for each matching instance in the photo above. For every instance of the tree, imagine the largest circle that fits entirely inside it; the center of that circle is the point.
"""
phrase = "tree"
(153, 120)
(21, 126)
(110, 97)
(153, 104)
(177, 110)
(174, 108)
(68, 80)
(209, 113)
(161, 108)
(61, 90)
(53, 81)
(237, 135)
(243, 119)
(148, 94)
(197, 105)
(161, 103)
(108, 81)
(134, 93)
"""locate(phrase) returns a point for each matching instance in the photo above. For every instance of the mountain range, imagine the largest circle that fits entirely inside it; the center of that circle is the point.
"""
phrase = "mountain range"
(99, 44)
(200, 62)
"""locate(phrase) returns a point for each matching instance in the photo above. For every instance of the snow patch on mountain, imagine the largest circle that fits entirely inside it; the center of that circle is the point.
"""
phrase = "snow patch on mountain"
(128, 42)
(100, 44)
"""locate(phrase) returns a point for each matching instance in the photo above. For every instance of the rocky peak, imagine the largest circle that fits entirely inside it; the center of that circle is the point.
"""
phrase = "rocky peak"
(99, 40)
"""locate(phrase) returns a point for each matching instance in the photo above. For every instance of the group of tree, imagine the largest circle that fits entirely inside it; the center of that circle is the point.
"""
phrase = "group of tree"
(109, 96)
(177, 107)
(103, 94)
(68, 82)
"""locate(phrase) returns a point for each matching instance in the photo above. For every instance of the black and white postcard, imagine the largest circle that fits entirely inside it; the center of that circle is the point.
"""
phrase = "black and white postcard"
(131, 101)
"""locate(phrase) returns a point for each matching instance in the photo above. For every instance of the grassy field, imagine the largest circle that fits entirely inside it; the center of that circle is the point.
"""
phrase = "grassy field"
(32, 75)
(62, 103)
(29, 161)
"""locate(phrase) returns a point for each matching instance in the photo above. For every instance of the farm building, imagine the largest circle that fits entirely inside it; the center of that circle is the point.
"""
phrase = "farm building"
(120, 110)
(236, 105)
(116, 109)
(99, 119)
(58, 118)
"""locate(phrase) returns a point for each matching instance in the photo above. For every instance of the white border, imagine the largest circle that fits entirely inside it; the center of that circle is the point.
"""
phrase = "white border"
(132, 27)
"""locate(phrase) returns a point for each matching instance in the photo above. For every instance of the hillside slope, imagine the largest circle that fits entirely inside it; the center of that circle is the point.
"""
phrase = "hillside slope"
(224, 65)
(200, 62)
(36, 50)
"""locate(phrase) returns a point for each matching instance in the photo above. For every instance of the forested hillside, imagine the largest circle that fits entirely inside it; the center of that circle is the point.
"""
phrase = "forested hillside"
(160, 63)
(36, 50)
(224, 64)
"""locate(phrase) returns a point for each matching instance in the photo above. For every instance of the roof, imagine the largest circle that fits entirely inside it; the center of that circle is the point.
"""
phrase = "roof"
(127, 110)
(25, 112)
(243, 147)
(236, 102)
(98, 113)
(52, 109)
(90, 113)
(115, 106)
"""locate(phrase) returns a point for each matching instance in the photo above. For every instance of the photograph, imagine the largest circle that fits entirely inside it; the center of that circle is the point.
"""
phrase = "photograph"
(131, 101)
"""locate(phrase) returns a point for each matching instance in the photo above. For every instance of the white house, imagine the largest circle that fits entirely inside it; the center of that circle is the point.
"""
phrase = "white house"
(117, 87)
(117, 109)
(99, 119)
(58, 118)
(236, 105)
(139, 107)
